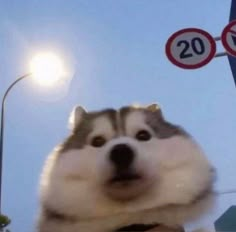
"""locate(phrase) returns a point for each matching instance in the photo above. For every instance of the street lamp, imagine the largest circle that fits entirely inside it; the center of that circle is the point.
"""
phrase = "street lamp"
(47, 69)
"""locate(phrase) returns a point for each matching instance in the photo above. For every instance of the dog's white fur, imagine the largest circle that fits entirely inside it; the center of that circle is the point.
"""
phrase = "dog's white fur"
(175, 171)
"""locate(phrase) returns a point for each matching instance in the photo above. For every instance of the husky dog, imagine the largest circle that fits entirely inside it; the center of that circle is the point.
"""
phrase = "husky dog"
(124, 170)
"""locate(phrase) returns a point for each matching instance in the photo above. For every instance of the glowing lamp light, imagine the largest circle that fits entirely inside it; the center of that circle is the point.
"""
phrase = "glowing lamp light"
(47, 68)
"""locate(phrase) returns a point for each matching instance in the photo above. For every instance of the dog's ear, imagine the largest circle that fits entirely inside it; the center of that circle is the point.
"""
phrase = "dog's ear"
(76, 116)
(155, 111)
(153, 107)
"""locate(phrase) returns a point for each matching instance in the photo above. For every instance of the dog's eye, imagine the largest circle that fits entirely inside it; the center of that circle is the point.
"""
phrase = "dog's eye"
(98, 141)
(143, 135)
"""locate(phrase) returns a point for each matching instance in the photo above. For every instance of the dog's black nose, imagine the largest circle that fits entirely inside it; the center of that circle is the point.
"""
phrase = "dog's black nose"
(122, 156)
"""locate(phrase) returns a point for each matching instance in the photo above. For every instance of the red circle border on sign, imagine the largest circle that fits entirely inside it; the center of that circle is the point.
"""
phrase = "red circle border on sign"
(191, 66)
(223, 38)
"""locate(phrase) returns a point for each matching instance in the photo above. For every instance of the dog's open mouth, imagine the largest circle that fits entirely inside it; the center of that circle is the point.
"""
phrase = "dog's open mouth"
(126, 185)
(124, 177)
(137, 227)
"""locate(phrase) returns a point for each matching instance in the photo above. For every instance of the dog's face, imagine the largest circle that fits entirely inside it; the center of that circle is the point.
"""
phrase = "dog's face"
(124, 160)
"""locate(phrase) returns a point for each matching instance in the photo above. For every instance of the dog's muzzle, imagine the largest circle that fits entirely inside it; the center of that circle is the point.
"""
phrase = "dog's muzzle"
(122, 158)
(125, 181)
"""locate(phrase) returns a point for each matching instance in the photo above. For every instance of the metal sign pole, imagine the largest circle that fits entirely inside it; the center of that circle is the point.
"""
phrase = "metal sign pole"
(232, 59)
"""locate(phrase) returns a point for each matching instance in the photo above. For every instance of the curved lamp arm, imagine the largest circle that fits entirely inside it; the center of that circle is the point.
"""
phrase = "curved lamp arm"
(2, 129)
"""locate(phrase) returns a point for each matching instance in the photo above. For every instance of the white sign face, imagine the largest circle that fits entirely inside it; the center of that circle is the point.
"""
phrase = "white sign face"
(228, 38)
(190, 48)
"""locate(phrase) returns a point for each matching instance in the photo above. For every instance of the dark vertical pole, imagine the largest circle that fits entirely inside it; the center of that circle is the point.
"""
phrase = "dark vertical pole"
(2, 132)
(232, 59)
(1, 152)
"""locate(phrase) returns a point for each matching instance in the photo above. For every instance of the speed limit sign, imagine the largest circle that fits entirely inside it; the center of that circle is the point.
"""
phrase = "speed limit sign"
(228, 38)
(190, 48)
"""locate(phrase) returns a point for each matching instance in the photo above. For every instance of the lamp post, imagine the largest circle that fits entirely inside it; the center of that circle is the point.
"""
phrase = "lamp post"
(2, 129)
(47, 69)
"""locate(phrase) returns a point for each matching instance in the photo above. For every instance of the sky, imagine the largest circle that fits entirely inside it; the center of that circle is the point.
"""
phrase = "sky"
(116, 54)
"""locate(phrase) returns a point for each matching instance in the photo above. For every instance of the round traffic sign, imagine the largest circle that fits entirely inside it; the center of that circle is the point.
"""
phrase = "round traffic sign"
(190, 48)
(228, 38)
